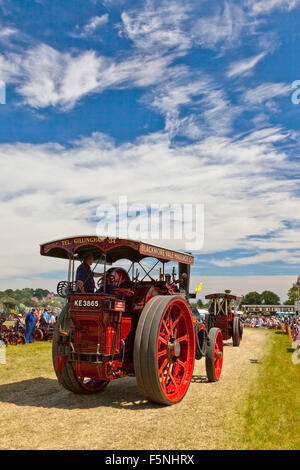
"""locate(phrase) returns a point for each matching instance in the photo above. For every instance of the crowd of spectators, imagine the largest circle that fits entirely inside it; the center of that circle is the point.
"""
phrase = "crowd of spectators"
(276, 323)
(34, 319)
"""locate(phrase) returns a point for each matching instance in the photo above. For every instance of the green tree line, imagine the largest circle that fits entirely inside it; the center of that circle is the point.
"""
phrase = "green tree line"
(24, 296)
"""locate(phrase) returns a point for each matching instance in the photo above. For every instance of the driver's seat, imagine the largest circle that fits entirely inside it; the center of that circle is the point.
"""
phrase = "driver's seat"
(116, 280)
(118, 276)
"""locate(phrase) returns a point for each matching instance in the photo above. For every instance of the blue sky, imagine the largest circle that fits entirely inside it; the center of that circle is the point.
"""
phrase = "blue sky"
(160, 101)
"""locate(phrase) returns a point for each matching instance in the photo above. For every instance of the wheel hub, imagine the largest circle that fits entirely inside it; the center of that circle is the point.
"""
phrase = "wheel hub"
(173, 349)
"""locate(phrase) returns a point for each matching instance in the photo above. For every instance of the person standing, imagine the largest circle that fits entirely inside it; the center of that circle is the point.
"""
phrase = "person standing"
(19, 325)
(30, 322)
(45, 318)
(52, 320)
(85, 275)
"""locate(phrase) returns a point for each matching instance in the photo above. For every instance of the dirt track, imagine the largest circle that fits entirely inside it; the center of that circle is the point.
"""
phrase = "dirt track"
(38, 414)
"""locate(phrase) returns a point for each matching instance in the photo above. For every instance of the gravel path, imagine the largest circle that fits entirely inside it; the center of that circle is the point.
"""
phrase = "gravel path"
(38, 414)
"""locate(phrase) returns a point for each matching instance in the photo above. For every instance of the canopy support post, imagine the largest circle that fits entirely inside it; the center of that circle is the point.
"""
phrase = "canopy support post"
(104, 274)
(73, 266)
(69, 268)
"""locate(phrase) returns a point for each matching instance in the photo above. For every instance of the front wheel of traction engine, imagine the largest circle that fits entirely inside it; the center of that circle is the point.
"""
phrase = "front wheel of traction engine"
(164, 350)
(63, 369)
(237, 332)
(214, 355)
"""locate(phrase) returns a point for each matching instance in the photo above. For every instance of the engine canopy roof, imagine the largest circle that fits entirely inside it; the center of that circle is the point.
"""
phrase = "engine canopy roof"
(113, 248)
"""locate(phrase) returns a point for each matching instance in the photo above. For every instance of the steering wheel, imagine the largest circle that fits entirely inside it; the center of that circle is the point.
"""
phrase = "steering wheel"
(100, 281)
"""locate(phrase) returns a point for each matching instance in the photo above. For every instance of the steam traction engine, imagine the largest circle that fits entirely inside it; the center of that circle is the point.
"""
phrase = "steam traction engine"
(144, 326)
(223, 315)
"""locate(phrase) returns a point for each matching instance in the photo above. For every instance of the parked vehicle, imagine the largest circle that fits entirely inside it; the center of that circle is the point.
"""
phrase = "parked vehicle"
(10, 335)
(43, 334)
(143, 327)
(223, 314)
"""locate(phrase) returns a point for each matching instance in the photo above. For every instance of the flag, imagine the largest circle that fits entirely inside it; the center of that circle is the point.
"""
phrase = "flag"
(199, 287)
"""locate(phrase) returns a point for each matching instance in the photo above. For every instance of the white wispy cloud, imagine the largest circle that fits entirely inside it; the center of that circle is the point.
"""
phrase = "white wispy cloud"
(45, 77)
(7, 31)
(209, 109)
(161, 32)
(266, 92)
(224, 28)
(265, 98)
(9, 69)
(264, 7)
(244, 66)
(236, 179)
(170, 24)
(265, 257)
(94, 23)
(167, 24)
(157, 25)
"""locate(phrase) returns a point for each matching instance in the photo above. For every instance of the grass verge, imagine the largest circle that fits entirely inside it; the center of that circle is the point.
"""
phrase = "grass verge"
(269, 414)
(26, 361)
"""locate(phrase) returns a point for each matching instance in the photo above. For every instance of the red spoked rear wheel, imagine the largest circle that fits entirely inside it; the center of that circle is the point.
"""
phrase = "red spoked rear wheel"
(214, 355)
(164, 350)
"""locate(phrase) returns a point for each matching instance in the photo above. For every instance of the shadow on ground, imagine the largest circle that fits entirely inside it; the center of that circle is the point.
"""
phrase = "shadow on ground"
(47, 393)
(202, 379)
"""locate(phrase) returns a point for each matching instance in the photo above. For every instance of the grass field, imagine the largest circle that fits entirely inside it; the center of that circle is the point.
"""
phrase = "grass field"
(254, 405)
(269, 414)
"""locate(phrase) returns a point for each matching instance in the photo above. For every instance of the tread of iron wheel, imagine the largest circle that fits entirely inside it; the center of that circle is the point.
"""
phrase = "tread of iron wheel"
(235, 331)
(145, 348)
(66, 377)
(147, 352)
(144, 319)
(209, 361)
